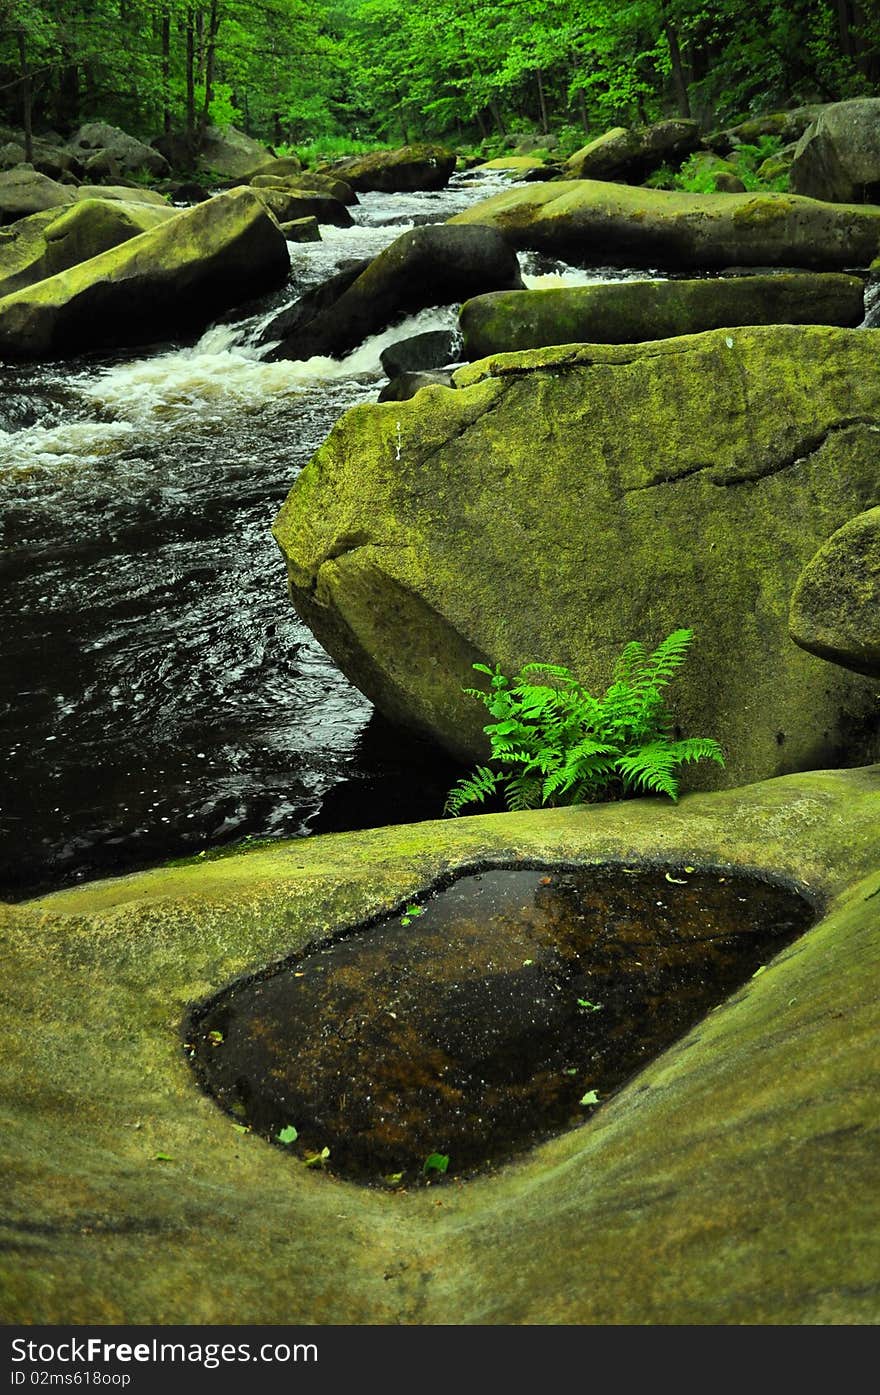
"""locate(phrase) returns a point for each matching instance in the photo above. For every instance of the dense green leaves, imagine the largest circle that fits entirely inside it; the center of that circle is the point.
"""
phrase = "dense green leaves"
(553, 743)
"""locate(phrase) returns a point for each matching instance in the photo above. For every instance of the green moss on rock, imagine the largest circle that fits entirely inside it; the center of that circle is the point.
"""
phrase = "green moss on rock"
(44, 244)
(835, 609)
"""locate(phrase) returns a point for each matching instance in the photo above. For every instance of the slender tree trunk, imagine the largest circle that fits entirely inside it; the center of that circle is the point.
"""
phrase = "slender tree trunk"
(481, 125)
(582, 109)
(678, 77)
(166, 73)
(190, 80)
(843, 23)
(26, 97)
(210, 55)
(497, 117)
(542, 103)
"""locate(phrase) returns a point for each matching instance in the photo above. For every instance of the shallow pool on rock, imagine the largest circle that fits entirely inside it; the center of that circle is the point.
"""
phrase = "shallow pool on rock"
(485, 1019)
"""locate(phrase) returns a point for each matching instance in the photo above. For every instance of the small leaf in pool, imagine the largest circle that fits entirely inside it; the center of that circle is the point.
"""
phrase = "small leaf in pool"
(410, 914)
(588, 1006)
(572, 1071)
(591, 1097)
(163, 1157)
(317, 1159)
(435, 1162)
(215, 1038)
(526, 962)
(288, 1134)
(394, 1178)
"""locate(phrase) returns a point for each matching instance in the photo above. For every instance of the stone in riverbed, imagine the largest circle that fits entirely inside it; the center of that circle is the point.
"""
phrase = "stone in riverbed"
(403, 386)
(838, 157)
(421, 353)
(171, 280)
(302, 230)
(23, 191)
(118, 152)
(630, 312)
(564, 501)
(228, 152)
(46, 243)
(588, 221)
(432, 265)
(396, 171)
(636, 1218)
(835, 609)
(289, 205)
(631, 155)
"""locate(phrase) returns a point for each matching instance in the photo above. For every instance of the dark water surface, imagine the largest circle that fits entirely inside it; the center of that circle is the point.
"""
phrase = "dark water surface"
(158, 695)
(497, 1012)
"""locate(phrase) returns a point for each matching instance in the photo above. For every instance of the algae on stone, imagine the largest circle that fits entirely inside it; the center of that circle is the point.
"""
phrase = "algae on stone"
(45, 243)
(835, 609)
(562, 502)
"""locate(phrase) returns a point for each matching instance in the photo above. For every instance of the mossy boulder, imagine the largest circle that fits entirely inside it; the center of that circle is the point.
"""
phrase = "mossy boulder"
(307, 185)
(302, 230)
(431, 265)
(172, 279)
(629, 312)
(285, 166)
(23, 191)
(290, 204)
(561, 502)
(588, 221)
(838, 157)
(396, 171)
(232, 154)
(734, 1180)
(121, 193)
(786, 125)
(510, 164)
(631, 155)
(123, 154)
(46, 243)
(835, 609)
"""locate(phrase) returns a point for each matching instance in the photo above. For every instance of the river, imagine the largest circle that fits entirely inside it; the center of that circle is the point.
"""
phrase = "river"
(158, 694)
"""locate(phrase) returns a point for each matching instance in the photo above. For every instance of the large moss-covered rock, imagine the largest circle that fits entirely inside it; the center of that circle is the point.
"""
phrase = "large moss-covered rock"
(23, 191)
(630, 155)
(431, 265)
(734, 1181)
(785, 125)
(396, 171)
(306, 185)
(174, 278)
(589, 221)
(121, 193)
(628, 312)
(46, 243)
(289, 204)
(838, 157)
(564, 501)
(229, 152)
(123, 153)
(835, 610)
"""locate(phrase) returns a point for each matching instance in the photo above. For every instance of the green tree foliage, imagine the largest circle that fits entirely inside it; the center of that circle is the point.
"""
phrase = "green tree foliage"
(296, 70)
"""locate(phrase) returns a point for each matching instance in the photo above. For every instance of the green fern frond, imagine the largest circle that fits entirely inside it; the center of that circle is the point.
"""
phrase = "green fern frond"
(522, 792)
(472, 789)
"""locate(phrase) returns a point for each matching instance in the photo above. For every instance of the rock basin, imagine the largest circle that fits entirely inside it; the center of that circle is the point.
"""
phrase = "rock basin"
(734, 1179)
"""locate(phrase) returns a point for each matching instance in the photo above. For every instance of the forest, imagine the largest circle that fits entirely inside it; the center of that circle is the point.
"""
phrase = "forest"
(351, 73)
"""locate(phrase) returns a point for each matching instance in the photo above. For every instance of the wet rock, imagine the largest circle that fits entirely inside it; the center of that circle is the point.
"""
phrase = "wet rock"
(302, 230)
(835, 609)
(290, 205)
(630, 312)
(432, 265)
(285, 166)
(396, 171)
(23, 191)
(171, 280)
(838, 156)
(728, 183)
(125, 193)
(307, 184)
(708, 1142)
(188, 192)
(630, 155)
(566, 500)
(421, 352)
(405, 385)
(589, 221)
(46, 243)
(119, 152)
(516, 165)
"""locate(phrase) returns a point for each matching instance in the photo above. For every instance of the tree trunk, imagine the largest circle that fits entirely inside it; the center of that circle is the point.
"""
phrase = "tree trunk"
(166, 73)
(210, 55)
(26, 97)
(542, 103)
(190, 80)
(497, 118)
(582, 108)
(678, 77)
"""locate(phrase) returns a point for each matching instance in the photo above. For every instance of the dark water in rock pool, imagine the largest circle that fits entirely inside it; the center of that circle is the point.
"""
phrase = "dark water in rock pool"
(158, 695)
(498, 1011)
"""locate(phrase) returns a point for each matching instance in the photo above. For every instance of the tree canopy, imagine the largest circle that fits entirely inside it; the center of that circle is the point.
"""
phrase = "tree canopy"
(390, 70)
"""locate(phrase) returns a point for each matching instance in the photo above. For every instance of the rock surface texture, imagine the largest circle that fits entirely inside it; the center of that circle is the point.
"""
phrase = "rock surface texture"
(735, 1180)
(46, 243)
(229, 152)
(396, 171)
(589, 220)
(838, 156)
(631, 155)
(835, 610)
(629, 312)
(170, 280)
(562, 502)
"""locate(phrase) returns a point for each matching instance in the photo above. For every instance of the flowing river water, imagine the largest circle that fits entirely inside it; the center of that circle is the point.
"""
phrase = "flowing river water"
(158, 694)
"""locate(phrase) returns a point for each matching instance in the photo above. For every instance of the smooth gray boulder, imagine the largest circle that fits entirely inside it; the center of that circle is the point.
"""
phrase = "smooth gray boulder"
(422, 353)
(838, 156)
(24, 191)
(119, 151)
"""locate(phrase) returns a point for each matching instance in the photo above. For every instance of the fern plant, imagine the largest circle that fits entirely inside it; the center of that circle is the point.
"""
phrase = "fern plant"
(554, 744)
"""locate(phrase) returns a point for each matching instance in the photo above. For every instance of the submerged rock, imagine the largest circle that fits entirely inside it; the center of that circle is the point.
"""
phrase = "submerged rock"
(132, 1198)
(564, 501)
(396, 171)
(589, 221)
(629, 312)
(838, 157)
(46, 243)
(432, 265)
(170, 280)
(835, 610)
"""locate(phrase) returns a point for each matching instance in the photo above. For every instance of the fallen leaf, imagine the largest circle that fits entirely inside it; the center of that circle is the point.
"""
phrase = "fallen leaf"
(678, 881)
(287, 1135)
(435, 1162)
(163, 1157)
(591, 1097)
(317, 1159)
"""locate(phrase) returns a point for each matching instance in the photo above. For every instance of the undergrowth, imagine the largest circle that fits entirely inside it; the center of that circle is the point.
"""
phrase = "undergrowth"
(554, 744)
